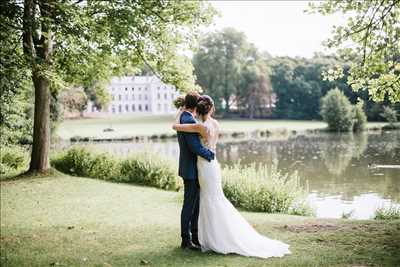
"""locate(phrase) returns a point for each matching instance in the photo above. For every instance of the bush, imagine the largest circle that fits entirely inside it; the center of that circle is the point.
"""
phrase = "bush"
(257, 188)
(337, 111)
(13, 159)
(360, 119)
(150, 169)
(144, 168)
(394, 126)
(388, 213)
(390, 115)
(79, 161)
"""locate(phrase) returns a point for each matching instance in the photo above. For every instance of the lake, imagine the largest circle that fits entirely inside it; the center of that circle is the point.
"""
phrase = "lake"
(338, 169)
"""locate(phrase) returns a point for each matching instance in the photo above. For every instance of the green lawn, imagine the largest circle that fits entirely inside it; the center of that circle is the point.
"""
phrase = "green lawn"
(127, 126)
(69, 221)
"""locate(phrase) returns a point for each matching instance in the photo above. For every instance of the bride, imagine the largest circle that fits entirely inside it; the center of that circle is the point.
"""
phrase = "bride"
(221, 227)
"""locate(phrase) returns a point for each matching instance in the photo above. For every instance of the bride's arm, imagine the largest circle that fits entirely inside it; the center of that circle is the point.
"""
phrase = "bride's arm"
(191, 128)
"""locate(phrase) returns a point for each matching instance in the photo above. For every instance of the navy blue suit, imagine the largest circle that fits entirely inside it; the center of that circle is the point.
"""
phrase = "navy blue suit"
(189, 148)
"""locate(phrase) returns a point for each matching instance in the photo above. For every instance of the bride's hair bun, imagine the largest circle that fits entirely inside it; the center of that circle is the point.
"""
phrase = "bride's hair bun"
(204, 105)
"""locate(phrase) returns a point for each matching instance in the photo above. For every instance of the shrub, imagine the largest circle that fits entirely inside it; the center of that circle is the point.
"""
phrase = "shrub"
(150, 169)
(144, 168)
(80, 161)
(389, 213)
(390, 115)
(257, 188)
(360, 119)
(337, 111)
(13, 159)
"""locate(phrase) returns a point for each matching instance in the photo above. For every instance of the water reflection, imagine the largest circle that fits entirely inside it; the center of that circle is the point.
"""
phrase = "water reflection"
(334, 166)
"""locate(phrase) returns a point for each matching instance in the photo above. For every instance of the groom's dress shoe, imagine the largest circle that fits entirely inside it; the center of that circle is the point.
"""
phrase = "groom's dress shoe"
(189, 245)
(196, 242)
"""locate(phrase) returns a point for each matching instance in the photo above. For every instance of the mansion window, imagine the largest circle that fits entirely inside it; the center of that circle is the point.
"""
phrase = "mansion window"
(133, 107)
(145, 97)
(126, 97)
(146, 107)
(113, 109)
(140, 107)
(120, 108)
(133, 97)
(119, 97)
(126, 108)
(165, 96)
(159, 107)
(140, 97)
(133, 88)
(158, 96)
(126, 89)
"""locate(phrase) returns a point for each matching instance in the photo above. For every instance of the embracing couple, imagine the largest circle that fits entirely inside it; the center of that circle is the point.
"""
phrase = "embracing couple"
(208, 220)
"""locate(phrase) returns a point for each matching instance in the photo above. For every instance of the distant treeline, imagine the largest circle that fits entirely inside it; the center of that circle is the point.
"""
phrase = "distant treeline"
(248, 83)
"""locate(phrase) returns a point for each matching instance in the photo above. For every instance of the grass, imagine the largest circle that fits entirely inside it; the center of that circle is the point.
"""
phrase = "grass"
(388, 213)
(128, 126)
(61, 220)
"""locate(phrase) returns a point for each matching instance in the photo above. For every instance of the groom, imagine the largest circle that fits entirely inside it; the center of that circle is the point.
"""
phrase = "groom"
(189, 148)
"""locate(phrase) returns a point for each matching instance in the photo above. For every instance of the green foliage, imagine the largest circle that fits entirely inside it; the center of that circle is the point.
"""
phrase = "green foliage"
(337, 111)
(231, 70)
(144, 168)
(373, 30)
(79, 161)
(390, 115)
(390, 213)
(360, 119)
(298, 85)
(254, 94)
(74, 99)
(13, 159)
(257, 188)
(152, 170)
(218, 63)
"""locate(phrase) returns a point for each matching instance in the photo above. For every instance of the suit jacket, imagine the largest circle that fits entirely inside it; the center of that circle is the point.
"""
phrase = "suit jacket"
(189, 148)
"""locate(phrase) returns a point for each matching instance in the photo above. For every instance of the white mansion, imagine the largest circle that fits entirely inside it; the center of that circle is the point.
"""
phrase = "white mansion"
(137, 95)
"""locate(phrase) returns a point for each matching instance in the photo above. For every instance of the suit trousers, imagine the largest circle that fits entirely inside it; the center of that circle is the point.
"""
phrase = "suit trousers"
(190, 209)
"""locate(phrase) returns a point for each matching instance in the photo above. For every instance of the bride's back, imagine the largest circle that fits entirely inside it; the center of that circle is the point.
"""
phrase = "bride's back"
(212, 126)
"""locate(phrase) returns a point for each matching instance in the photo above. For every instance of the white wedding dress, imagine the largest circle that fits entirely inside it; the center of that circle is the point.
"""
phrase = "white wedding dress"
(221, 227)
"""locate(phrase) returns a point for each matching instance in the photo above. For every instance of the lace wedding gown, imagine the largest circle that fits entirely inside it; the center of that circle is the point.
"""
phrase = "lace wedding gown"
(221, 227)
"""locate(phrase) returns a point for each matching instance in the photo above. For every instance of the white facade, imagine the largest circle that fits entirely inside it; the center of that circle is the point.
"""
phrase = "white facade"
(137, 95)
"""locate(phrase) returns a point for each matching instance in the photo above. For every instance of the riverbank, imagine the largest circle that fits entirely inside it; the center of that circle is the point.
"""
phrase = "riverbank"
(61, 220)
(129, 128)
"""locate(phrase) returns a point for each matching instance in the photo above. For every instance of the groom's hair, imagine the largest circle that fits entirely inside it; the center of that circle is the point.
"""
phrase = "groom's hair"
(191, 100)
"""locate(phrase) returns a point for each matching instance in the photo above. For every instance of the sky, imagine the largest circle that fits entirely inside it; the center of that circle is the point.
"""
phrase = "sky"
(279, 27)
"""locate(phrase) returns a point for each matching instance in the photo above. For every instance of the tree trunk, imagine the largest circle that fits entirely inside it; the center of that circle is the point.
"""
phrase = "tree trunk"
(37, 49)
(41, 125)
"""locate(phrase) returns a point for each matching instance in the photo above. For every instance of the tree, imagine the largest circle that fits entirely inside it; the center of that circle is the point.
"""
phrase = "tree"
(218, 64)
(255, 94)
(337, 111)
(360, 119)
(373, 29)
(74, 100)
(78, 42)
(390, 115)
